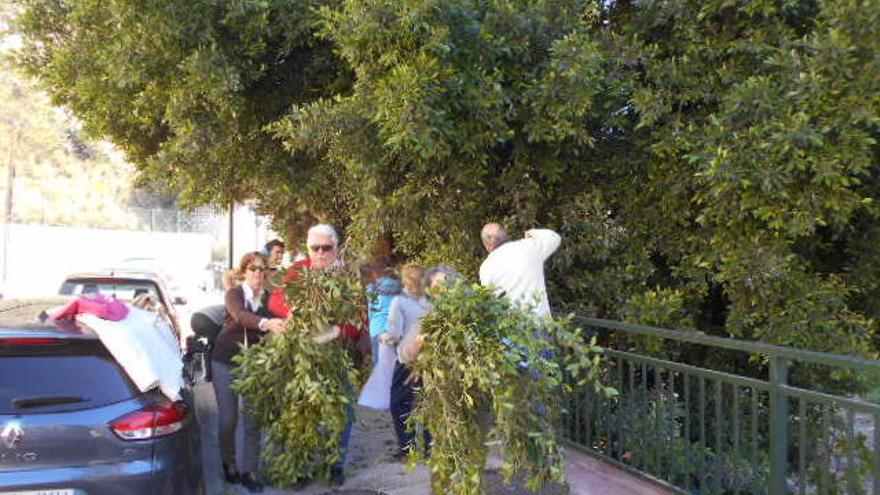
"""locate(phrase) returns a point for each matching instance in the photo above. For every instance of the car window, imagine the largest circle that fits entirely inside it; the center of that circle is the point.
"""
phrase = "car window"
(125, 291)
(79, 374)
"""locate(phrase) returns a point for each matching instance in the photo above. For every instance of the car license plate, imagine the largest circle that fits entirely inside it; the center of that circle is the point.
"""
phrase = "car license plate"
(51, 491)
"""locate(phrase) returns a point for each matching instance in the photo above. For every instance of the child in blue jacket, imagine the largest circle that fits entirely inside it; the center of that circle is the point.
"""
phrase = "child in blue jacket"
(380, 292)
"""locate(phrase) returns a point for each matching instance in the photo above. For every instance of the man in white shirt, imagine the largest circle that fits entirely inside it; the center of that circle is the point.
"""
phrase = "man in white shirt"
(516, 268)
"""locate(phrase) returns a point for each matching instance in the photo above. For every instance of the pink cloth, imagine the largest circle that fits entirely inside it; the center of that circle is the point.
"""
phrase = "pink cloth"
(98, 305)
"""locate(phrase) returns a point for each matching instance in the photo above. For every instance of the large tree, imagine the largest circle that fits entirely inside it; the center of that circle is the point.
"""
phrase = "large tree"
(711, 164)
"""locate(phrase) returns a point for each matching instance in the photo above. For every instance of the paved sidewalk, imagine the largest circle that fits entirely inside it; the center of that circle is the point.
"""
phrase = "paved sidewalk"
(590, 476)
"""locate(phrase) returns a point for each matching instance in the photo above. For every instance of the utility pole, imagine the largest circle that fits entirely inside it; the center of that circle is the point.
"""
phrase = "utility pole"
(257, 231)
(10, 180)
(231, 237)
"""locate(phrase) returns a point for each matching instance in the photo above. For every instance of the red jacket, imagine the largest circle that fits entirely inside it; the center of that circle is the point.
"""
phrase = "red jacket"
(278, 303)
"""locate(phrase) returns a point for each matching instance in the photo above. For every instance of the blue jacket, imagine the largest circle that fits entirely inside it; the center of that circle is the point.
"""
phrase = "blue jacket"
(381, 293)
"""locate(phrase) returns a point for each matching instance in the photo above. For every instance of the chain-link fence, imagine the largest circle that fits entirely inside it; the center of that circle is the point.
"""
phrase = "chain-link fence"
(203, 219)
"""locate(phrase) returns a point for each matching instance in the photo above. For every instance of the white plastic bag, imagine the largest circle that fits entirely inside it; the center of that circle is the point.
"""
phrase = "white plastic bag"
(376, 393)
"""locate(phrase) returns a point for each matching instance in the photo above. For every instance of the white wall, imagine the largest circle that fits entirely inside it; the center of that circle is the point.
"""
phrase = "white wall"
(39, 257)
(251, 232)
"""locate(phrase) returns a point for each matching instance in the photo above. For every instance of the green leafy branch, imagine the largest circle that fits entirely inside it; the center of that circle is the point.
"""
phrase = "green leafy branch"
(491, 371)
(300, 391)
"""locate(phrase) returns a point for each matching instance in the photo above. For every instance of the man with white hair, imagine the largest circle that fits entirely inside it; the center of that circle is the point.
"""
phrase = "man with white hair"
(322, 243)
(516, 268)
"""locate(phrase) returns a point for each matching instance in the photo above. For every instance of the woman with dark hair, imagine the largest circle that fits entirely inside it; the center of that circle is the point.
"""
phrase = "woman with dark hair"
(247, 322)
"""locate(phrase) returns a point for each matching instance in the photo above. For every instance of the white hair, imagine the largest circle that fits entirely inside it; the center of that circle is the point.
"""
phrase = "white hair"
(324, 229)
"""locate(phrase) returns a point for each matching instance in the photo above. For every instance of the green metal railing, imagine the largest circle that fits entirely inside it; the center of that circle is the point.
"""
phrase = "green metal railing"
(710, 431)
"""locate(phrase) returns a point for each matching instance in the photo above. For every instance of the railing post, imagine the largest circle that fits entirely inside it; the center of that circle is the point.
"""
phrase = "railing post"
(778, 426)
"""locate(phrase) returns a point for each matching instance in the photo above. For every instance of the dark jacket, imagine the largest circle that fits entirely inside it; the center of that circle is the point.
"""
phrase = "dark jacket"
(238, 320)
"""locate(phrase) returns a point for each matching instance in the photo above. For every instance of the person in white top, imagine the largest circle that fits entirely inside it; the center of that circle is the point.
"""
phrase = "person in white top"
(516, 268)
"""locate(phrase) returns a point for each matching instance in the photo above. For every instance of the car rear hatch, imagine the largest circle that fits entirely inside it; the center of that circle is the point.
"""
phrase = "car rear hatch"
(59, 400)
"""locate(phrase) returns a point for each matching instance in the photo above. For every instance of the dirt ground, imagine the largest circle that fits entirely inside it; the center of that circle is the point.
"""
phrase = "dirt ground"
(371, 468)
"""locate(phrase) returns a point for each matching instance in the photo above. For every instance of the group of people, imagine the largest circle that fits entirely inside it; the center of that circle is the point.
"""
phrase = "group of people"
(394, 332)
(254, 309)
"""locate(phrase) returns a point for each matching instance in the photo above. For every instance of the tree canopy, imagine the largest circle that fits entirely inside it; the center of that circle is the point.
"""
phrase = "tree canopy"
(711, 164)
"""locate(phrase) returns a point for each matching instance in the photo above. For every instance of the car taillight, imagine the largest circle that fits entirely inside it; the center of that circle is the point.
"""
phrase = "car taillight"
(29, 341)
(151, 422)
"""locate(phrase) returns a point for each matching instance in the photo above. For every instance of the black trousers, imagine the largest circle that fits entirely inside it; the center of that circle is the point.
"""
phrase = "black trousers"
(402, 398)
(227, 419)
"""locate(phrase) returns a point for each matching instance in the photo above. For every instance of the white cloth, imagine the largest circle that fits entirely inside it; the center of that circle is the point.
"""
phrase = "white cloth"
(145, 346)
(516, 269)
(253, 304)
(376, 393)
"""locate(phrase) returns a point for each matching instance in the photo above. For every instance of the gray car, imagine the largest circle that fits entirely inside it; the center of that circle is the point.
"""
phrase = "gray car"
(73, 423)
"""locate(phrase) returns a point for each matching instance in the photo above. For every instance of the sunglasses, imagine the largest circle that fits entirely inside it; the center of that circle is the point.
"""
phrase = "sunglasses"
(255, 268)
(324, 248)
